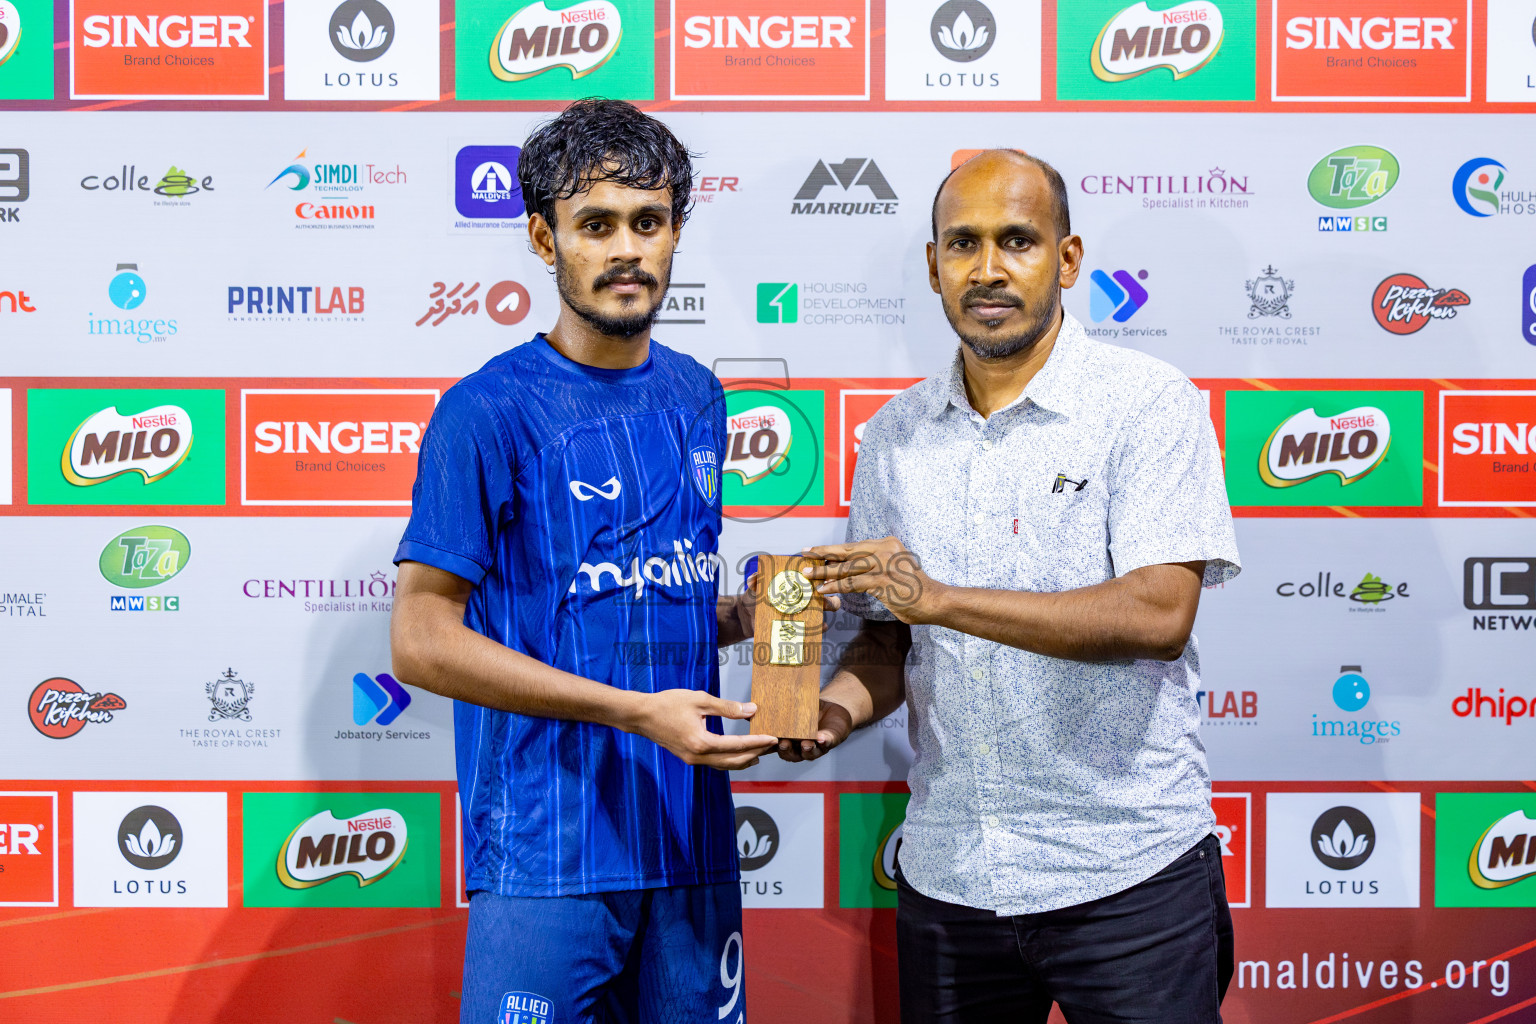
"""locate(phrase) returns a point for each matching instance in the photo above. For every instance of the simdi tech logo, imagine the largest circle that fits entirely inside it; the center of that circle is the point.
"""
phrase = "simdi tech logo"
(1196, 50)
(29, 849)
(770, 49)
(26, 49)
(962, 50)
(1485, 850)
(332, 193)
(315, 446)
(341, 849)
(549, 50)
(361, 49)
(108, 446)
(1325, 448)
(157, 49)
(1488, 448)
(1363, 50)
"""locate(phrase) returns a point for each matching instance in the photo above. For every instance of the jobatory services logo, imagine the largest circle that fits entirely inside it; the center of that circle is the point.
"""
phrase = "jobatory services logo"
(1360, 50)
(1404, 304)
(26, 68)
(332, 195)
(123, 446)
(1116, 296)
(155, 49)
(361, 50)
(780, 839)
(59, 708)
(1501, 588)
(1325, 448)
(151, 849)
(15, 183)
(295, 303)
(859, 177)
(377, 700)
(1488, 448)
(549, 49)
(966, 50)
(1196, 50)
(770, 49)
(1342, 850)
(341, 849)
(29, 850)
(127, 290)
(1485, 850)
(506, 302)
(1511, 51)
(486, 194)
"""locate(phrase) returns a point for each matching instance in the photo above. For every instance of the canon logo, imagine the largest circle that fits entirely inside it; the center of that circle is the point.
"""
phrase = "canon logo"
(1321, 33)
(173, 30)
(345, 437)
(777, 32)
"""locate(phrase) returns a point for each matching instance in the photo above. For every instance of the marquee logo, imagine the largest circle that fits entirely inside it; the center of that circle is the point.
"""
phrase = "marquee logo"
(152, 443)
(168, 49)
(1403, 303)
(580, 38)
(782, 49)
(60, 708)
(323, 847)
(1359, 50)
(1353, 177)
(145, 556)
(1488, 448)
(1182, 39)
(1307, 445)
(856, 171)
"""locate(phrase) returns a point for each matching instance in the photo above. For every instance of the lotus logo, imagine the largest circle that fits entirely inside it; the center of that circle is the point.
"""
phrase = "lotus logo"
(1343, 838)
(149, 837)
(1182, 39)
(1504, 854)
(10, 30)
(323, 847)
(963, 30)
(580, 38)
(362, 30)
(1348, 444)
(757, 837)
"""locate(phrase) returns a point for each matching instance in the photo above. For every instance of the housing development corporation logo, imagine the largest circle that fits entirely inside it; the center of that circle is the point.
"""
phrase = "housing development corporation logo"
(141, 49)
(555, 49)
(780, 49)
(1488, 448)
(1357, 50)
(59, 708)
(855, 172)
(1182, 39)
(1403, 303)
(1195, 50)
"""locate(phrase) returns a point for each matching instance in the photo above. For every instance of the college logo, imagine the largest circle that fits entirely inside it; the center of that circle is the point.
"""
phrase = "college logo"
(377, 700)
(1200, 49)
(1270, 295)
(1492, 439)
(1352, 177)
(309, 446)
(854, 171)
(1325, 448)
(60, 708)
(1342, 850)
(173, 184)
(139, 49)
(1403, 303)
(145, 556)
(1118, 296)
(1357, 52)
(1370, 591)
(555, 49)
(1485, 850)
(1181, 39)
(29, 852)
(760, 49)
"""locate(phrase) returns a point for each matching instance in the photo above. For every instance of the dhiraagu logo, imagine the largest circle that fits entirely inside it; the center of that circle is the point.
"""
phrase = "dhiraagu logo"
(775, 447)
(871, 827)
(1325, 448)
(1353, 177)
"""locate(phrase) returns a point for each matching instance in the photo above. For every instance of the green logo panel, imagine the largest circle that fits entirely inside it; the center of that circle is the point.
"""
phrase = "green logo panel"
(340, 863)
(778, 303)
(26, 51)
(193, 474)
(1485, 849)
(1323, 466)
(1222, 69)
(516, 50)
(775, 448)
(867, 841)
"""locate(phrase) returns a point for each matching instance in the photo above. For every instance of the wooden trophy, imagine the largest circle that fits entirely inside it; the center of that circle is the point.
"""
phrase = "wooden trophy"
(786, 649)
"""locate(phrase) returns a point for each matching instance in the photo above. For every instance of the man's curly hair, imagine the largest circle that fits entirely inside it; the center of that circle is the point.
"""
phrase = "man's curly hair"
(597, 140)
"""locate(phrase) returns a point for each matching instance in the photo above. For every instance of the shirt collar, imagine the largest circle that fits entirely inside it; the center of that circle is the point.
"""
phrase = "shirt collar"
(1051, 388)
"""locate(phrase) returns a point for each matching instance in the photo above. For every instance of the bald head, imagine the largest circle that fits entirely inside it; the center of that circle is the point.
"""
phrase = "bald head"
(996, 166)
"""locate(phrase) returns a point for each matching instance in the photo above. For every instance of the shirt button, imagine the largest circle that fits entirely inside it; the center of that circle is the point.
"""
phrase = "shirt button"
(978, 674)
(992, 820)
(978, 518)
(983, 750)
(986, 445)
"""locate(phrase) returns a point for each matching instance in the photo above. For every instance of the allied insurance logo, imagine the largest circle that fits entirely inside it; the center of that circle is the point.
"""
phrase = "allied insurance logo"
(1363, 50)
(1488, 448)
(770, 49)
(306, 446)
(550, 49)
(1196, 50)
(159, 49)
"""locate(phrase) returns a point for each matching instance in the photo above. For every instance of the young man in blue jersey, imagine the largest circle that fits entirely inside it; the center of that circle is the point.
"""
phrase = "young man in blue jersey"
(559, 578)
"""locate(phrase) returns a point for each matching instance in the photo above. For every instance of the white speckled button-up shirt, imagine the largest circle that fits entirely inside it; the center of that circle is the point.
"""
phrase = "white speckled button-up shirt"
(1039, 782)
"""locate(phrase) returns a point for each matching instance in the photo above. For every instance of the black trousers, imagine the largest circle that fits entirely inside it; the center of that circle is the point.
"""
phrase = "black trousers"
(1159, 952)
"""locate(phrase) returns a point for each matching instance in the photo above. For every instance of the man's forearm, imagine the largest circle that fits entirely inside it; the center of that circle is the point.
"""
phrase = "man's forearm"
(870, 678)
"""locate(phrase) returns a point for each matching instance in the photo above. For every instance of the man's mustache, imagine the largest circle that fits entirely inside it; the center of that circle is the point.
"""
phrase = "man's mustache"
(984, 296)
(623, 275)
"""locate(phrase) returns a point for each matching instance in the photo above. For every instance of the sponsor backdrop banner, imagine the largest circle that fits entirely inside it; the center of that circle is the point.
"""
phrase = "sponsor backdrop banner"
(248, 246)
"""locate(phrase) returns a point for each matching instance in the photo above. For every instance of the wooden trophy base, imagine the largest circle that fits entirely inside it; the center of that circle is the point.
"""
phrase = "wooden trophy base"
(786, 653)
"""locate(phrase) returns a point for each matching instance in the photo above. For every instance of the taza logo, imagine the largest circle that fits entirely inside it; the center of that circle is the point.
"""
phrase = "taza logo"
(367, 847)
(1306, 445)
(149, 837)
(1343, 838)
(1182, 39)
(1352, 177)
(146, 556)
(362, 30)
(1403, 303)
(109, 444)
(60, 708)
(581, 38)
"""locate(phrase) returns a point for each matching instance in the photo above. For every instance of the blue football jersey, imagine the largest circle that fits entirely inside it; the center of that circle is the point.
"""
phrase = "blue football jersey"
(584, 504)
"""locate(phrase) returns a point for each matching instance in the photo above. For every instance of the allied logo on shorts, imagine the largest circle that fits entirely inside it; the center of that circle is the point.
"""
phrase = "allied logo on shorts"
(152, 443)
(145, 556)
(153, 49)
(1182, 39)
(1488, 448)
(524, 1008)
(1305, 446)
(1359, 50)
(60, 708)
(323, 847)
(555, 49)
(704, 470)
(1403, 303)
(778, 49)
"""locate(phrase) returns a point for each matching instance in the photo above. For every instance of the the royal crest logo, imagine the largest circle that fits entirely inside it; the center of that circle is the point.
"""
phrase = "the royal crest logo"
(109, 444)
(1270, 295)
(230, 696)
(323, 847)
(1182, 39)
(1505, 854)
(1306, 445)
(581, 38)
(704, 470)
(60, 708)
(1403, 303)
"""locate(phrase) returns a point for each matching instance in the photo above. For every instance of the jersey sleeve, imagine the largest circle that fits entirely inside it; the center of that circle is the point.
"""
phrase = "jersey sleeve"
(463, 490)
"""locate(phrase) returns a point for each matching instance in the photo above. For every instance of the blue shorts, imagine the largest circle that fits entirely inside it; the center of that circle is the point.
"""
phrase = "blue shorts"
(646, 956)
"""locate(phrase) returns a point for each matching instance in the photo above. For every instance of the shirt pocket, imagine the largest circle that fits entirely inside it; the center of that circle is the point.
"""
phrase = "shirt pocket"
(1064, 534)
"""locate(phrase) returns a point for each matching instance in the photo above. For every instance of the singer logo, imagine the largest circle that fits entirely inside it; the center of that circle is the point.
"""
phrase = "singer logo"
(757, 49)
(331, 447)
(152, 443)
(169, 49)
(1362, 50)
(858, 408)
(1488, 448)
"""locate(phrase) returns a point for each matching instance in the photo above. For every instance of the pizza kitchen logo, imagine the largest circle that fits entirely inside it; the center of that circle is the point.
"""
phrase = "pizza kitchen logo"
(1404, 303)
(152, 443)
(1306, 446)
(60, 708)
(1182, 39)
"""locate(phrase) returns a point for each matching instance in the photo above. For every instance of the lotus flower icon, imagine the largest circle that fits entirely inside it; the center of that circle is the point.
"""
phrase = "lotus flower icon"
(149, 837)
(963, 34)
(362, 30)
(963, 30)
(1343, 838)
(1343, 844)
(150, 843)
(750, 845)
(362, 34)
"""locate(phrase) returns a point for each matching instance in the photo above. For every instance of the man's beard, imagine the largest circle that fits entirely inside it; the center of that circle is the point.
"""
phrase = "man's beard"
(613, 326)
(1003, 346)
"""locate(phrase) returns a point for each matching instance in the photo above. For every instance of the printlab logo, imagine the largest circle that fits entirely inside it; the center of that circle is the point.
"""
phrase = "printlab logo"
(757, 837)
(60, 708)
(1269, 294)
(15, 183)
(506, 302)
(149, 837)
(485, 188)
(230, 696)
(1229, 707)
(1351, 693)
(378, 700)
(1403, 303)
(1118, 295)
(854, 172)
(295, 303)
(362, 30)
(1343, 838)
